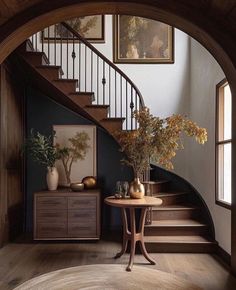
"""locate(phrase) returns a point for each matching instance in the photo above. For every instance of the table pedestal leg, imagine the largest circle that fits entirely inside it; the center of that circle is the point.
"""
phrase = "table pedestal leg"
(134, 236)
(126, 234)
(141, 231)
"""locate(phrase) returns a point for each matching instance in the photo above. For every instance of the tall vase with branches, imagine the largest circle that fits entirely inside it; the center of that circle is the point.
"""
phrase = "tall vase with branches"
(43, 152)
(156, 139)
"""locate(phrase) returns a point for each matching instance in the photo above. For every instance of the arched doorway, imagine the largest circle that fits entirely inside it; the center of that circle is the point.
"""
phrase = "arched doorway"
(209, 34)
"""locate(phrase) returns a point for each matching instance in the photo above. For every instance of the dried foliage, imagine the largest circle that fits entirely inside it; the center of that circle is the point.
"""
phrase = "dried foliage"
(77, 150)
(156, 139)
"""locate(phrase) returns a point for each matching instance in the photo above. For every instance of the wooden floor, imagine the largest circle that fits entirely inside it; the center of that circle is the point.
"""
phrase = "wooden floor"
(22, 261)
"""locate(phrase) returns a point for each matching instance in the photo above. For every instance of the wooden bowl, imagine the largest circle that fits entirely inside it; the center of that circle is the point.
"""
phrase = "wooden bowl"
(77, 186)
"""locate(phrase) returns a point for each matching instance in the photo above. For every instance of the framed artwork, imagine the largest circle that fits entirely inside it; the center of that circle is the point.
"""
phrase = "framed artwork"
(141, 40)
(80, 168)
(90, 27)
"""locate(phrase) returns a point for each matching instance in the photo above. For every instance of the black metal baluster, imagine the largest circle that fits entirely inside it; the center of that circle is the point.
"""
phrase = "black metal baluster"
(61, 46)
(48, 45)
(91, 52)
(79, 66)
(115, 97)
(42, 43)
(97, 79)
(55, 47)
(103, 82)
(32, 40)
(67, 55)
(121, 96)
(126, 106)
(36, 41)
(136, 108)
(132, 108)
(109, 92)
(73, 55)
(85, 69)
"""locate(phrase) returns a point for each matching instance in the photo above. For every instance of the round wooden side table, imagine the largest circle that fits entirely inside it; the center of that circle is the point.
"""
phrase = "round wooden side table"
(134, 236)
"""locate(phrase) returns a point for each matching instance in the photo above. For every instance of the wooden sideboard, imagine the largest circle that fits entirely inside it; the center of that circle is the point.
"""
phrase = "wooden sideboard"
(67, 215)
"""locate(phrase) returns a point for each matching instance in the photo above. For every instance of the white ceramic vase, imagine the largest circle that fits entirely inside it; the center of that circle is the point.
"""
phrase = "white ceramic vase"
(52, 178)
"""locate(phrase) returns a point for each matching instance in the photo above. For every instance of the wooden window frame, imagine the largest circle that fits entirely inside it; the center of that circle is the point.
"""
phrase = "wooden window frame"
(219, 90)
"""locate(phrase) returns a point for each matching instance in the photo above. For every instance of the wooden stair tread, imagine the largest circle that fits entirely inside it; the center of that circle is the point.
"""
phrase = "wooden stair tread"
(66, 80)
(38, 53)
(164, 194)
(82, 94)
(98, 106)
(118, 119)
(52, 67)
(175, 207)
(178, 239)
(177, 223)
(155, 182)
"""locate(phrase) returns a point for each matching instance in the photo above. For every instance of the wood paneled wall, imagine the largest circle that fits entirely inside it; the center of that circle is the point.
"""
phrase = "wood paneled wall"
(11, 167)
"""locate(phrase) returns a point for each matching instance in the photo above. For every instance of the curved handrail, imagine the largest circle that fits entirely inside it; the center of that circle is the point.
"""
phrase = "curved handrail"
(97, 52)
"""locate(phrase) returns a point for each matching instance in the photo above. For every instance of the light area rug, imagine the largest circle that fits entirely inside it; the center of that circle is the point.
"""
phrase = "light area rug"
(107, 277)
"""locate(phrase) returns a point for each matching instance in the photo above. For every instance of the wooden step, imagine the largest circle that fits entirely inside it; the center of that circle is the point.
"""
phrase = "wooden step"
(99, 112)
(179, 244)
(66, 85)
(183, 227)
(82, 98)
(26, 46)
(156, 186)
(112, 124)
(171, 212)
(51, 72)
(171, 198)
(36, 58)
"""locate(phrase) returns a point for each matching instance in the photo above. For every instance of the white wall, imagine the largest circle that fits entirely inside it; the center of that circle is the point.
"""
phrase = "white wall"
(205, 74)
(165, 87)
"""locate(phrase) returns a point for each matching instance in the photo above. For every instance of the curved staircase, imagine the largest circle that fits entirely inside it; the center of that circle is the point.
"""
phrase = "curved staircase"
(183, 222)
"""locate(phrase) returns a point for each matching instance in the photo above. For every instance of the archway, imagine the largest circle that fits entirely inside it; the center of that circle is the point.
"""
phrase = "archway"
(210, 35)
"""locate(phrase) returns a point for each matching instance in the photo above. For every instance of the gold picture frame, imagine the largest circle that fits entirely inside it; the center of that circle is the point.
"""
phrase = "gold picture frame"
(141, 40)
(92, 28)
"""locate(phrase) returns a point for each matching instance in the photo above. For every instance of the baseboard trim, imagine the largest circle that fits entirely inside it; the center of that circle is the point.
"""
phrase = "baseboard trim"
(226, 257)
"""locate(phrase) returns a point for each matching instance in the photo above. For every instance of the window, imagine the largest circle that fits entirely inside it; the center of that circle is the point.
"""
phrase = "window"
(223, 144)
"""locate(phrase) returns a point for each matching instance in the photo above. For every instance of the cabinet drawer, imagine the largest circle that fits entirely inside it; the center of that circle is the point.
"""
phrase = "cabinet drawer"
(51, 216)
(51, 202)
(82, 202)
(57, 230)
(82, 230)
(82, 216)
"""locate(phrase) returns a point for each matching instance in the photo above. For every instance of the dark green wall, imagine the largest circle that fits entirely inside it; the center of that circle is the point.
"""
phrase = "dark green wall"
(42, 114)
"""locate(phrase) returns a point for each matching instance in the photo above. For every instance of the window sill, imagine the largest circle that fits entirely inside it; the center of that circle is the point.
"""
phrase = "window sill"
(223, 204)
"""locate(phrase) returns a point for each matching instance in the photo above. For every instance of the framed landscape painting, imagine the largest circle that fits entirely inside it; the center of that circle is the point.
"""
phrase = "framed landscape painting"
(90, 27)
(141, 40)
(80, 168)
